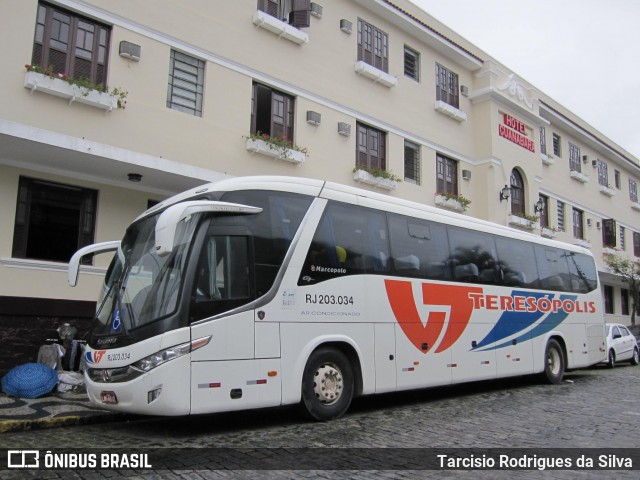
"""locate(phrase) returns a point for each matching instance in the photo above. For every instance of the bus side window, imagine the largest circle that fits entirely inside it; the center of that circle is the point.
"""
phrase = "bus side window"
(517, 263)
(419, 248)
(349, 240)
(553, 268)
(473, 256)
(584, 277)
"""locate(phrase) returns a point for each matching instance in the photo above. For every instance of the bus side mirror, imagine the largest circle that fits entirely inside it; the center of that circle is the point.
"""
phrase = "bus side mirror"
(74, 263)
(169, 219)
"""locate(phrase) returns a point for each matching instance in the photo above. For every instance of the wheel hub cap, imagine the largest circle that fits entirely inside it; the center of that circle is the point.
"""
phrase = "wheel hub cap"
(328, 384)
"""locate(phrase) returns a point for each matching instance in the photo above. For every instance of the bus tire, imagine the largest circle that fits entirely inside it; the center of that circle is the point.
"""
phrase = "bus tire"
(611, 359)
(553, 362)
(327, 384)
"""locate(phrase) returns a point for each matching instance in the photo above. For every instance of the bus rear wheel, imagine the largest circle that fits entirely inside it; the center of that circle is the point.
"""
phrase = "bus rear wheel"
(553, 362)
(327, 384)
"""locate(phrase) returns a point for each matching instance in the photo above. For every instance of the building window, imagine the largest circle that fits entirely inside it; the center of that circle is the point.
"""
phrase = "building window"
(447, 86)
(616, 178)
(412, 162)
(371, 148)
(446, 175)
(544, 213)
(636, 244)
(624, 301)
(633, 190)
(411, 63)
(622, 233)
(271, 113)
(603, 173)
(574, 158)
(609, 232)
(186, 81)
(373, 46)
(608, 299)
(560, 214)
(52, 220)
(517, 193)
(557, 151)
(296, 13)
(71, 44)
(543, 141)
(578, 226)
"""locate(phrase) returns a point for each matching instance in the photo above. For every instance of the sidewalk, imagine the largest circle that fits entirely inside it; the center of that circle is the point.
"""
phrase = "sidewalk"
(52, 410)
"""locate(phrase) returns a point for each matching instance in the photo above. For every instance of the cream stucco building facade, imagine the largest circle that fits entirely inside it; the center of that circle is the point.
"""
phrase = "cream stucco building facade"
(377, 84)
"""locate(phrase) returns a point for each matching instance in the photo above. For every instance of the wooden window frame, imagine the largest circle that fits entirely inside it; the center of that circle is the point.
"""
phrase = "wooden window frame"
(446, 175)
(279, 114)
(447, 86)
(373, 46)
(296, 13)
(371, 145)
(84, 53)
(575, 165)
(517, 193)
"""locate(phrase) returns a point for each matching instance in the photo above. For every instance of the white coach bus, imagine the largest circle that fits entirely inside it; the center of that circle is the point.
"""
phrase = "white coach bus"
(263, 291)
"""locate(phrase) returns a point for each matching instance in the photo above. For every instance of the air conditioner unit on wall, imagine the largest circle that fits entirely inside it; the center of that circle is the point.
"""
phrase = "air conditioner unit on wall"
(344, 129)
(316, 10)
(313, 118)
(130, 50)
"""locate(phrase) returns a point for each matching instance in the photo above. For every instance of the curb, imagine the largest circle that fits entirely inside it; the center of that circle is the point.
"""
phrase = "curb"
(55, 422)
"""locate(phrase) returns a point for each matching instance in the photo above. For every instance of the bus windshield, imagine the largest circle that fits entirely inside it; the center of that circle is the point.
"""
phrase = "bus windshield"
(140, 286)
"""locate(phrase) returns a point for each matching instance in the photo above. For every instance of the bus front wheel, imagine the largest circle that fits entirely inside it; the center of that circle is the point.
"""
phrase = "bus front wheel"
(327, 384)
(553, 362)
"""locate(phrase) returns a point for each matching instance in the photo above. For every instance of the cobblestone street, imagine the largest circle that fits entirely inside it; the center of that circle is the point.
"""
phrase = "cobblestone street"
(595, 408)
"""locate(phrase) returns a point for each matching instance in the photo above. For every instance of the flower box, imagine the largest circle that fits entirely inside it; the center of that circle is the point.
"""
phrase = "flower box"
(609, 192)
(524, 223)
(362, 176)
(280, 28)
(375, 74)
(548, 232)
(38, 82)
(270, 150)
(450, 111)
(546, 159)
(579, 176)
(448, 203)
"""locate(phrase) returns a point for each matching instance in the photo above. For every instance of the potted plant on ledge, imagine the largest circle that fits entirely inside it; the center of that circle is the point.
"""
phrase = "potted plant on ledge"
(275, 147)
(376, 177)
(82, 90)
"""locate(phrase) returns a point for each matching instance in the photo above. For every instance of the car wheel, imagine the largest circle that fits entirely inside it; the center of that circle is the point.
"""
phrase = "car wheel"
(635, 360)
(327, 384)
(611, 360)
(553, 363)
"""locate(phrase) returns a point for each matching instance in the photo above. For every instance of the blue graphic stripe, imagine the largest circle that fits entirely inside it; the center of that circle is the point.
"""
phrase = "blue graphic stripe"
(511, 322)
(548, 324)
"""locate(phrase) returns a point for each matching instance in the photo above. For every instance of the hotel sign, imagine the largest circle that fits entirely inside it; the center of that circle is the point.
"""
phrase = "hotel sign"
(516, 131)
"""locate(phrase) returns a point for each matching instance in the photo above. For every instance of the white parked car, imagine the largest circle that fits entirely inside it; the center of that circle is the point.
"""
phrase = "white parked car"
(621, 345)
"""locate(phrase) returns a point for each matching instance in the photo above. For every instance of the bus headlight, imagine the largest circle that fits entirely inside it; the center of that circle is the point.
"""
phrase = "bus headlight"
(144, 365)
